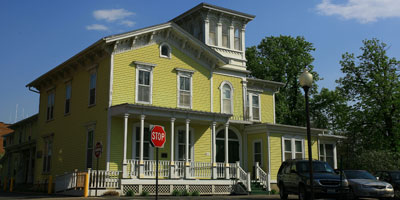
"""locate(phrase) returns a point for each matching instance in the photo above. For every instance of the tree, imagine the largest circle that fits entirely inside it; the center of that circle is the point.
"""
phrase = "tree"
(371, 85)
(329, 110)
(283, 59)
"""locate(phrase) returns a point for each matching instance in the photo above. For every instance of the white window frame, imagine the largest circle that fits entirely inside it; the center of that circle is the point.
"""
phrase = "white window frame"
(292, 143)
(191, 145)
(50, 104)
(324, 151)
(187, 74)
(250, 94)
(238, 135)
(169, 50)
(95, 87)
(221, 90)
(254, 152)
(144, 67)
(228, 35)
(234, 38)
(46, 168)
(211, 21)
(134, 141)
(68, 84)
(87, 147)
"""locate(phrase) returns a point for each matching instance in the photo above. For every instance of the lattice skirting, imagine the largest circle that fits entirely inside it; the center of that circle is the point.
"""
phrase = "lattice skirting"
(168, 189)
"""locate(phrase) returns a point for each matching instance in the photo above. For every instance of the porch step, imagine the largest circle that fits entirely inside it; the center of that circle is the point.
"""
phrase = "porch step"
(256, 188)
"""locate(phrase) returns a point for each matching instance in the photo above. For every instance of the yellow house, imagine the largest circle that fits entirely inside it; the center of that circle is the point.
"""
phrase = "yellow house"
(188, 75)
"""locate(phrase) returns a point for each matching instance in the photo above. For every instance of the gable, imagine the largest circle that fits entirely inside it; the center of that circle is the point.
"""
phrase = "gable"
(164, 77)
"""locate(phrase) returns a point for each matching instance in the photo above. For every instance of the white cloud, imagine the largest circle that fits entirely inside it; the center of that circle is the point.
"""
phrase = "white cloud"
(364, 11)
(128, 23)
(97, 27)
(112, 14)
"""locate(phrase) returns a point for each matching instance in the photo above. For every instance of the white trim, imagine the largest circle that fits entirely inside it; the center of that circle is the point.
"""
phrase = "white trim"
(293, 146)
(230, 75)
(251, 94)
(148, 68)
(334, 151)
(269, 161)
(169, 50)
(93, 71)
(133, 150)
(261, 149)
(176, 141)
(186, 74)
(110, 92)
(237, 132)
(88, 129)
(221, 87)
(273, 107)
(211, 91)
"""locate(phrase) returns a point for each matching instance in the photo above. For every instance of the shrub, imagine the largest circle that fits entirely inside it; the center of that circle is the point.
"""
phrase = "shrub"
(195, 193)
(185, 193)
(130, 193)
(273, 191)
(176, 193)
(144, 193)
(111, 193)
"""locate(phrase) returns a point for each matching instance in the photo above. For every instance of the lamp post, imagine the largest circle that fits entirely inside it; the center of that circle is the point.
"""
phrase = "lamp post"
(306, 80)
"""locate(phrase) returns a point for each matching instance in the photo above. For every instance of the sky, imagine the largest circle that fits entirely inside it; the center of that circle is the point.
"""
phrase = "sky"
(36, 36)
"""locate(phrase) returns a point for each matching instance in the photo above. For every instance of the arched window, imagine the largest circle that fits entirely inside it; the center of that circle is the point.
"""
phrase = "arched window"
(237, 38)
(233, 146)
(225, 35)
(165, 50)
(226, 97)
(212, 36)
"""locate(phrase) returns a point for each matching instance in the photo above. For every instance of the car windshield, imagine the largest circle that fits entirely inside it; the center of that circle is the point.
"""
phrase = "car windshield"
(317, 167)
(354, 174)
(395, 175)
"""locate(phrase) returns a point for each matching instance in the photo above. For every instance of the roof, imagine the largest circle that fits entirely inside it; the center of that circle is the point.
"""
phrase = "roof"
(215, 8)
(26, 120)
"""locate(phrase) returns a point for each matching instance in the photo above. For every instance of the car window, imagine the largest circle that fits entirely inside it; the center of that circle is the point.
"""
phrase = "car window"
(321, 167)
(293, 167)
(282, 168)
(355, 174)
(395, 175)
(287, 169)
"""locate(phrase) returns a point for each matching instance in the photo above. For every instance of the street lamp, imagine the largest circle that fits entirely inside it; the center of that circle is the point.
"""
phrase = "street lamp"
(306, 80)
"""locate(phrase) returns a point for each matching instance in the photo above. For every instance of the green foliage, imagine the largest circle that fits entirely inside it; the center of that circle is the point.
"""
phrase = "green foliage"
(130, 193)
(144, 193)
(371, 85)
(373, 161)
(283, 59)
(176, 193)
(111, 193)
(185, 193)
(195, 193)
(273, 192)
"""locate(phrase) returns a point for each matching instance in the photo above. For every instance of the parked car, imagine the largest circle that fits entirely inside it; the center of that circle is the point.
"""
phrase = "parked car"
(293, 178)
(364, 184)
(392, 177)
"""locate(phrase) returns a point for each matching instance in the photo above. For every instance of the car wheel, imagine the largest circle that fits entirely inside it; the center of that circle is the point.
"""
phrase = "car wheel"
(282, 193)
(302, 193)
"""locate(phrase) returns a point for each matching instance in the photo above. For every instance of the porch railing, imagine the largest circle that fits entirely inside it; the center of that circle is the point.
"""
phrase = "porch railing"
(179, 168)
(261, 176)
(69, 181)
(220, 170)
(105, 179)
(133, 168)
(150, 168)
(201, 169)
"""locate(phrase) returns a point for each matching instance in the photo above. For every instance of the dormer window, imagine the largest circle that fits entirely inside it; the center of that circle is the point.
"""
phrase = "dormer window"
(225, 35)
(213, 33)
(237, 38)
(165, 50)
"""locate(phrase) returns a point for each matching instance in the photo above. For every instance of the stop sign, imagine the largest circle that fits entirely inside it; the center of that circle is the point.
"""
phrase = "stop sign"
(98, 149)
(158, 136)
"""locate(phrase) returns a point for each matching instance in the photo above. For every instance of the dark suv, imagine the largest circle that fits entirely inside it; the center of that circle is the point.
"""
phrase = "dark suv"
(293, 178)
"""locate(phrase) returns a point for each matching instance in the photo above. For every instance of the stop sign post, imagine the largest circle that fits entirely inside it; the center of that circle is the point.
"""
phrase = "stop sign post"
(97, 152)
(158, 138)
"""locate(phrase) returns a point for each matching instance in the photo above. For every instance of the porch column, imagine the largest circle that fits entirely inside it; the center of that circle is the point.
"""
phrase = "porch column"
(124, 162)
(141, 162)
(172, 163)
(187, 163)
(213, 150)
(226, 151)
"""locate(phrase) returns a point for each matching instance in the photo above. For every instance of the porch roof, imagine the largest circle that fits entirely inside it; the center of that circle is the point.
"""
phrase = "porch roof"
(178, 113)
